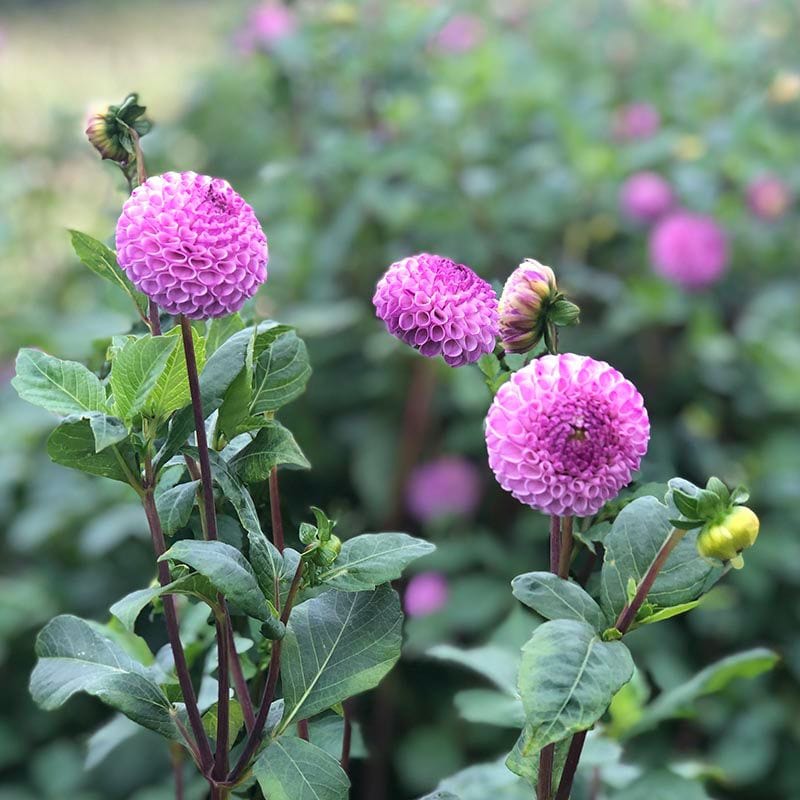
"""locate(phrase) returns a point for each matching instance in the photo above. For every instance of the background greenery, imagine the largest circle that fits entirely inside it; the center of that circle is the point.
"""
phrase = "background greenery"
(359, 141)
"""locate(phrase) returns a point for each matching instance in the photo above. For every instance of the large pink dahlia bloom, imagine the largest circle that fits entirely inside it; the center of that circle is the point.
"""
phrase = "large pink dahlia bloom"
(439, 307)
(565, 433)
(192, 244)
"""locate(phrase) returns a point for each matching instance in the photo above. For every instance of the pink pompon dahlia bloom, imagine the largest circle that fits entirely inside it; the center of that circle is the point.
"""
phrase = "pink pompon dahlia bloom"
(438, 307)
(267, 24)
(636, 121)
(565, 433)
(425, 594)
(460, 34)
(645, 197)
(448, 485)
(192, 245)
(768, 197)
(689, 249)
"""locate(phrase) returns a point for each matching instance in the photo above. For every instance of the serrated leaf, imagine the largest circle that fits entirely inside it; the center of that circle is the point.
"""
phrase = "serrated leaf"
(338, 644)
(175, 505)
(367, 561)
(294, 769)
(555, 598)
(273, 446)
(171, 391)
(567, 679)
(281, 370)
(61, 387)
(135, 370)
(74, 657)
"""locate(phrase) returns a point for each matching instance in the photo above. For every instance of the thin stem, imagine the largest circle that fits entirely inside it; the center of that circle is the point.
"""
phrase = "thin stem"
(544, 783)
(302, 729)
(176, 755)
(154, 319)
(223, 702)
(237, 675)
(571, 765)
(347, 737)
(555, 543)
(275, 510)
(566, 547)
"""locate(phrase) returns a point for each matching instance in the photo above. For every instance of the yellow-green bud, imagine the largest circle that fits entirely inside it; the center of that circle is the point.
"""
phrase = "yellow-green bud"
(726, 539)
(528, 292)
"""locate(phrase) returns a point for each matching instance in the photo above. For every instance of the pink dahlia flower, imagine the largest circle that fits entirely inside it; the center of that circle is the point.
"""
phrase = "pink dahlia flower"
(448, 485)
(768, 197)
(192, 244)
(425, 594)
(439, 307)
(636, 121)
(645, 197)
(267, 24)
(460, 34)
(565, 433)
(522, 318)
(689, 249)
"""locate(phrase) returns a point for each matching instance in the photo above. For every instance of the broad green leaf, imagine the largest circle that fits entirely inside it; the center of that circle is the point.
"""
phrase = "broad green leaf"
(293, 769)
(102, 261)
(662, 785)
(567, 679)
(220, 329)
(495, 663)
(74, 657)
(281, 370)
(490, 707)
(635, 538)
(175, 505)
(108, 738)
(62, 387)
(441, 796)
(367, 561)
(338, 644)
(327, 731)
(556, 598)
(106, 430)
(228, 571)
(135, 370)
(273, 446)
(484, 782)
(667, 613)
(72, 444)
(235, 721)
(523, 760)
(171, 391)
(680, 701)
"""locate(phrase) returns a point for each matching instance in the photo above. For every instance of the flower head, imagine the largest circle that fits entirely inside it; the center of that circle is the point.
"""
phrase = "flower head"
(689, 249)
(439, 307)
(267, 23)
(448, 485)
(565, 433)
(768, 197)
(460, 34)
(191, 244)
(636, 121)
(645, 197)
(425, 594)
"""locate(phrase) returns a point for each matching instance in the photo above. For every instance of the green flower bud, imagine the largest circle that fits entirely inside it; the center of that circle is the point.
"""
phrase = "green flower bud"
(725, 540)
(110, 130)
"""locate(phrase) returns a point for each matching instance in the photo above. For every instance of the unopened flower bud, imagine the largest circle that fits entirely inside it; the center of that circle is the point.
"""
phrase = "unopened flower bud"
(727, 539)
(110, 131)
(329, 550)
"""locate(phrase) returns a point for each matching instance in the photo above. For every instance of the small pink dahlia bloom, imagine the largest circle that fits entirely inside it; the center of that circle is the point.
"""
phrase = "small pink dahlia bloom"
(460, 34)
(636, 121)
(448, 485)
(565, 433)
(425, 594)
(522, 319)
(768, 197)
(192, 245)
(689, 249)
(645, 197)
(439, 307)
(267, 24)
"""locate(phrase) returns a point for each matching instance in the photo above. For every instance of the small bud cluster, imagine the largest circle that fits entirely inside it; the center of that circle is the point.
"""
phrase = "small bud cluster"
(322, 546)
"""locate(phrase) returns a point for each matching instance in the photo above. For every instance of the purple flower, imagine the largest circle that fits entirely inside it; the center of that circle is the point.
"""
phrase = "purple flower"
(267, 24)
(565, 433)
(460, 34)
(645, 197)
(448, 485)
(689, 249)
(636, 121)
(425, 594)
(438, 307)
(192, 244)
(768, 197)
(522, 317)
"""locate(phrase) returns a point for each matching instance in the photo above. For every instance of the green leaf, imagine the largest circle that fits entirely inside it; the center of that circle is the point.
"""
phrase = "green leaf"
(662, 785)
(105, 740)
(367, 561)
(556, 598)
(228, 571)
(281, 370)
(523, 759)
(492, 780)
(175, 505)
(567, 679)
(667, 613)
(135, 370)
(171, 391)
(235, 721)
(327, 730)
(220, 329)
(338, 644)
(490, 707)
(102, 261)
(680, 701)
(630, 547)
(293, 769)
(74, 657)
(72, 444)
(62, 387)
(106, 430)
(273, 446)
(493, 662)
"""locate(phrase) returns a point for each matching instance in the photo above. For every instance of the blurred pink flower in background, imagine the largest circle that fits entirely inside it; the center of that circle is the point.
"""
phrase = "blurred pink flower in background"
(768, 197)
(645, 197)
(425, 594)
(689, 249)
(460, 34)
(636, 121)
(267, 23)
(448, 485)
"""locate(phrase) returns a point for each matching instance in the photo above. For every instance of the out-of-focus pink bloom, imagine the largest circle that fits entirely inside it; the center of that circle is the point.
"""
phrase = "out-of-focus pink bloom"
(460, 34)
(267, 24)
(689, 249)
(425, 594)
(645, 197)
(448, 485)
(768, 197)
(636, 121)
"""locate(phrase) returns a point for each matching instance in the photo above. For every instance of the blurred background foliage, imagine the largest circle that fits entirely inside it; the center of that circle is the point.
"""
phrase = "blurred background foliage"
(362, 132)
